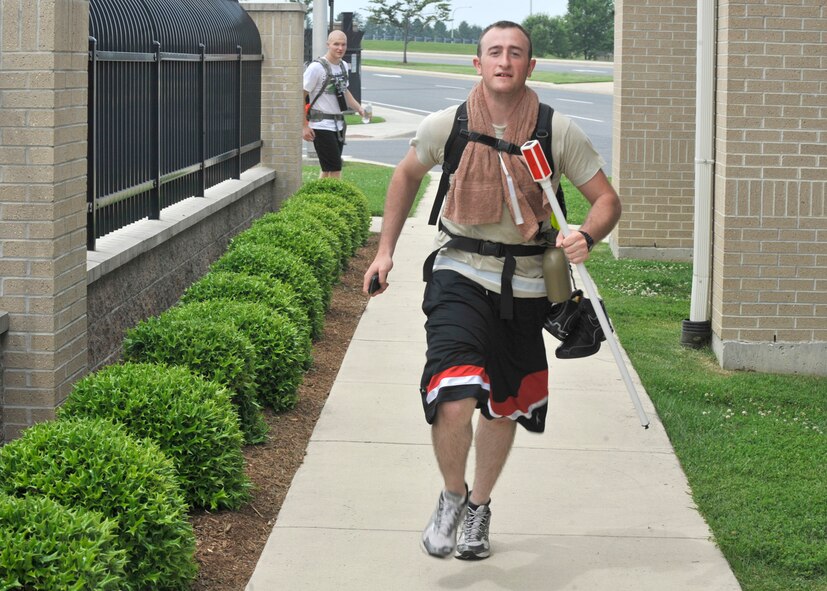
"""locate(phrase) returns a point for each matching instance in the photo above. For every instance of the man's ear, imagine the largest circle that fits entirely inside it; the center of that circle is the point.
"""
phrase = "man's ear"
(477, 65)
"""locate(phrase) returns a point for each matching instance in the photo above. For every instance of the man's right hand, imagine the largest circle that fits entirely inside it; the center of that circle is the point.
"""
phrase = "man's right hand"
(307, 134)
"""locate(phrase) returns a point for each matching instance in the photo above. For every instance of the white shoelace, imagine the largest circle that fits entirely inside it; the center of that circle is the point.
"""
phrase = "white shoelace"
(476, 524)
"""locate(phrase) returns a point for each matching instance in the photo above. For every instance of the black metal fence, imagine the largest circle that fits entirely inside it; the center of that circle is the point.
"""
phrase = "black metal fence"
(174, 105)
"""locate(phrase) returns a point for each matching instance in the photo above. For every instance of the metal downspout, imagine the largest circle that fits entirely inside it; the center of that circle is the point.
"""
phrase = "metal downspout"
(697, 329)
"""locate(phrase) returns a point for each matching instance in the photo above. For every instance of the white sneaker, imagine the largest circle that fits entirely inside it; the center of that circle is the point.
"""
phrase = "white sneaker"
(473, 536)
(440, 537)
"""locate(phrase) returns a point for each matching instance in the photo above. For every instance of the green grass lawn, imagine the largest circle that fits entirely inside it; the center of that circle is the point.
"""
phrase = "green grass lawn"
(421, 47)
(372, 179)
(753, 445)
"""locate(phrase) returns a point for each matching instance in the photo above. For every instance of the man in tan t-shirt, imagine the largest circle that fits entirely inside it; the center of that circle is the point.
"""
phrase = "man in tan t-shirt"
(479, 357)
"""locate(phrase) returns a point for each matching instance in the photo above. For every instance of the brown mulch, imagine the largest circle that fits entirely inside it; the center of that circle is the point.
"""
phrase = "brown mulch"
(229, 543)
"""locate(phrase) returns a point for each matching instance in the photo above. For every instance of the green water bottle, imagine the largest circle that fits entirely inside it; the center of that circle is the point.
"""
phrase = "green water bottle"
(556, 275)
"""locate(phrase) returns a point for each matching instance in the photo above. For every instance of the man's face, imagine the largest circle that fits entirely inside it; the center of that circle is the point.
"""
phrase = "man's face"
(337, 45)
(503, 62)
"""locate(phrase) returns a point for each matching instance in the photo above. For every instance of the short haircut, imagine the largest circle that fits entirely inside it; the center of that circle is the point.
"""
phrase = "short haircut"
(504, 25)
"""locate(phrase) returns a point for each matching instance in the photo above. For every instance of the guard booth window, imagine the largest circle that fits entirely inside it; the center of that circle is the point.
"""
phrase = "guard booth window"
(174, 105)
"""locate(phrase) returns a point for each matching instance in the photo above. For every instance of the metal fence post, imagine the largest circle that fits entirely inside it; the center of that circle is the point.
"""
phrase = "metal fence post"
(202, 118)
(155, 134)
(238, 112)
(91, 148)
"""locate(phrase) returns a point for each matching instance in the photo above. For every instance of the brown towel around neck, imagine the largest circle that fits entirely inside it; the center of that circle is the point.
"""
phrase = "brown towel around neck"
(479, 187)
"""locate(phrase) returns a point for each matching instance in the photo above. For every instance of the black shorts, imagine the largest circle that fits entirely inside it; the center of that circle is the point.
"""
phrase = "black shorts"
(472, 353)
(329, 149)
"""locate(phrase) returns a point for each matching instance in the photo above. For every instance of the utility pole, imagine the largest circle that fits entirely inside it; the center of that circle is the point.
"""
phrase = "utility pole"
(319, 28)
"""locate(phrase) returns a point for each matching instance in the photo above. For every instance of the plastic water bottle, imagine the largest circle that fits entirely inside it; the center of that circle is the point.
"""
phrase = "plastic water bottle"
(368, 109)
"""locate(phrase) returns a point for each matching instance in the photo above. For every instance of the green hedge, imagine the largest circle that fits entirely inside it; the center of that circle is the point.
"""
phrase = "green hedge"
(350, 193)
(190, 418)
(273, 293)
(45, 546)
(280, 264)
(328, 217)
(96, 465)
(279, 348)
(219, 352)
(306, 224)
(341, 205)
(302, 239)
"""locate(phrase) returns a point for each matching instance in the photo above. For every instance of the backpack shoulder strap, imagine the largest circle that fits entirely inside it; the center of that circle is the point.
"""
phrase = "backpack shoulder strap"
(328, 75)
(542, 133)
(452, 154)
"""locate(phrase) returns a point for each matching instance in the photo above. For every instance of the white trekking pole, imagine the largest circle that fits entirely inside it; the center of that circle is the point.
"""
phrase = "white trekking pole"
(541, 171)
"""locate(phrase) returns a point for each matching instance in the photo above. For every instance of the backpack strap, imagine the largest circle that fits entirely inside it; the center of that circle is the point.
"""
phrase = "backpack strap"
(328, 76)
(507, 252)
(451, 154)
(542, 133)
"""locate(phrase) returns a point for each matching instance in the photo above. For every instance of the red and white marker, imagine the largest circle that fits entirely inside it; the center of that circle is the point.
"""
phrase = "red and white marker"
(541, 172)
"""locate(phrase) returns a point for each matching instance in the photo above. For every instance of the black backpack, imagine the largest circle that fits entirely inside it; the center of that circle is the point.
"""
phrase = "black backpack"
(460, 136)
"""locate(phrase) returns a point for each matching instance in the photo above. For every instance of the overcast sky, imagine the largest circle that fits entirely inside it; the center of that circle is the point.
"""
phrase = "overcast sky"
(476, 12)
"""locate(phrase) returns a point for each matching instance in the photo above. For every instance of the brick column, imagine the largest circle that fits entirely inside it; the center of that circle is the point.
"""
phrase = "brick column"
(769, 287)
(654, 128)
(281, 27)
(42, 206)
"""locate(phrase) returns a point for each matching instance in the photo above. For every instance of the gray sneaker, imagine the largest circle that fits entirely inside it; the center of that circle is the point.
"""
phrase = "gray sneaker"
(440, 537)
(473, 535)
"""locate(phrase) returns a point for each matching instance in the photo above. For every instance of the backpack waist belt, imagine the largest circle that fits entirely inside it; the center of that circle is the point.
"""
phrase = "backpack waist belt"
(492, 249)
(318, 116)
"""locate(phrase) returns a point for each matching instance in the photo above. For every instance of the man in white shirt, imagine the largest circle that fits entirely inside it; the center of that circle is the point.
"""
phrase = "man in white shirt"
(326, 98)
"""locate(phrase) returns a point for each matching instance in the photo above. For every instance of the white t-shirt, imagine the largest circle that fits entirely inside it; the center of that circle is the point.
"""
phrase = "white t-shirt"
(314, 76)
(574, 156)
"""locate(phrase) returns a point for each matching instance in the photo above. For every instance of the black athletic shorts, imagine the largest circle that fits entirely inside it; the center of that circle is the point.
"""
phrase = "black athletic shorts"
(329, 149)
(472, 353)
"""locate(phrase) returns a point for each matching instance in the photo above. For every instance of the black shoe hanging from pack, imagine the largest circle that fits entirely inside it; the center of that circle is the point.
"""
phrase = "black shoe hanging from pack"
(585, 337)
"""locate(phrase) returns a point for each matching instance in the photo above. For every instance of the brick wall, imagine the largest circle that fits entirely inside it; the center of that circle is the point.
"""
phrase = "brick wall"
(281, 27)
(43, 257)
(42, 205)
(654, 128)
(770, 250)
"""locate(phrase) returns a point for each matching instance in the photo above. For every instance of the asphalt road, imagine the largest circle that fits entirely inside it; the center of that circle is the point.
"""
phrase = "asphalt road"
(424, 93)
(543, 65)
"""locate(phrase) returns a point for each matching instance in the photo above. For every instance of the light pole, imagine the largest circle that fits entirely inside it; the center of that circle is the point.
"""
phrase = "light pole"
(453, 12)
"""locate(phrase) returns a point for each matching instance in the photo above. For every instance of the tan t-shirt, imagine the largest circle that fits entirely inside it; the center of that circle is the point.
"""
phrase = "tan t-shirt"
(574, 156)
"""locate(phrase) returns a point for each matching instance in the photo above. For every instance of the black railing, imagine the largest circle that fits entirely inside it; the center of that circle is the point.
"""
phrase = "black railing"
(174, 105)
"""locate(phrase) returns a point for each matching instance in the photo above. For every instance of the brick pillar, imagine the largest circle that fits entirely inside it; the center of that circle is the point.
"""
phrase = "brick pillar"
(654, 128)
(769, 287)
(281, 27)
(42, 206)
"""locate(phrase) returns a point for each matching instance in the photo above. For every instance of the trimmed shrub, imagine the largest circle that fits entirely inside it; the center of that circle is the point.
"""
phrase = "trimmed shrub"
(95, 464)
(310, 224)
(302, 239)
(218, 352)
(273, 293)
(46, 546)
(190, 418)
(347, 191)
(328, 218)
(278, 263)
(279, 353)
(342, 206)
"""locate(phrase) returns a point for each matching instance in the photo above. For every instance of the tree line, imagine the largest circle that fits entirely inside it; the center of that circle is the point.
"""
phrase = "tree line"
(585, 31)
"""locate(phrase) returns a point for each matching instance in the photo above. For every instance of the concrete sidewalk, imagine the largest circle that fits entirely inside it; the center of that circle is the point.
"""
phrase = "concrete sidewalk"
(596, 503)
